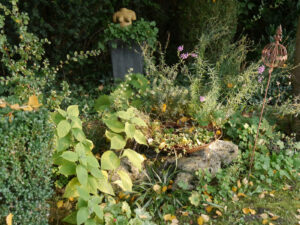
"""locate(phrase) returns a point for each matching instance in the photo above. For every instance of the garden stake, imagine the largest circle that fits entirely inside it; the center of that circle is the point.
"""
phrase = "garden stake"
(273, 55)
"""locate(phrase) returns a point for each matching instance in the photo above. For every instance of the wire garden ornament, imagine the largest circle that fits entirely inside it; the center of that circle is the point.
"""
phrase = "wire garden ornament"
(273, 55)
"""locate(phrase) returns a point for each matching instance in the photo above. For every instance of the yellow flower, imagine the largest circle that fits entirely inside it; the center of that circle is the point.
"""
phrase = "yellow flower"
(218, 133)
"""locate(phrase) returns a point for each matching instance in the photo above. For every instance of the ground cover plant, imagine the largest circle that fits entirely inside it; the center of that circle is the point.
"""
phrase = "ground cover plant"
(104, 153)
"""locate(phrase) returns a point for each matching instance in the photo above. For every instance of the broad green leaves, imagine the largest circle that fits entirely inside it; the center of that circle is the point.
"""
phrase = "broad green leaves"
(73, 110)
(70, 156)
(63, 128)
(74, 157)
(139, 137)
(117, 142)
(82, 174)
(109, 161)
(129, 130)
(135, 158)
(125, 183)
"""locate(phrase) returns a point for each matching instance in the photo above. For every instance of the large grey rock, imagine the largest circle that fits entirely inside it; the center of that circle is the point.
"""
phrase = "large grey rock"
(126, 57)
(210, 159)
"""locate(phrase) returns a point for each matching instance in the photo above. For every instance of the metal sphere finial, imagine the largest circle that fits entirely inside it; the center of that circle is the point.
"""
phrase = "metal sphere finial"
(275, 54)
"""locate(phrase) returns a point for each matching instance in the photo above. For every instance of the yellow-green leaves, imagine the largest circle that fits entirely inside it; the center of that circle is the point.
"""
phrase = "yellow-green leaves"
(63, 128)
(135, 158)
(129, 130)
(82, 174)
(140, 138)
(109, 161)
(125, 183)
(73, 110)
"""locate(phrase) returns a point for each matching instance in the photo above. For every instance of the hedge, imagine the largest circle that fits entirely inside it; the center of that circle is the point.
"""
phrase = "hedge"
(26, 141)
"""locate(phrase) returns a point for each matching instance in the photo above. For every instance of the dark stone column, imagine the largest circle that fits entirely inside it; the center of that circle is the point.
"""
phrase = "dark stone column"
(125, 57)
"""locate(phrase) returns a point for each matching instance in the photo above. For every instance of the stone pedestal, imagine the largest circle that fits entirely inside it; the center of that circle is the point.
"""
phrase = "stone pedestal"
(125, 57)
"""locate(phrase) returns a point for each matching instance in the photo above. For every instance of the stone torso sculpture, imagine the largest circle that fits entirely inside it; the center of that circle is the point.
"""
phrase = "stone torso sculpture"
(124, 17)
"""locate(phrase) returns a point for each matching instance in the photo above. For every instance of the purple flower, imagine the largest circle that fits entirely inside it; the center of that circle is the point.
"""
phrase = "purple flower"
(261, 69)
(194, 55)
(184, 55)
(202, 98)
(180, 48)
(260, 79)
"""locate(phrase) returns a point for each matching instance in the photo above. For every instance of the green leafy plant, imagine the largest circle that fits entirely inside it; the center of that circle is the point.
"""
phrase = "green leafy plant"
(140, 32)
(74, 157)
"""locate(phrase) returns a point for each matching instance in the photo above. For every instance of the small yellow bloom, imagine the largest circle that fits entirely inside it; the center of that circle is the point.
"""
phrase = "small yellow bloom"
(234, 189)
(71, 199)
(218, 132)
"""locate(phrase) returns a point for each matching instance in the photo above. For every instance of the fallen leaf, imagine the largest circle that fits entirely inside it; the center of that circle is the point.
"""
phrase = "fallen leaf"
(59, 204)
(9, 219)
(239, 184)
(262, 195)
(235, 198)
(34, 102)
(265, 221)
(200, 220)
(174, 222)
(229, 85)
(275, 218)
(186, 213)
(191, 129)
(163, 107)
(218, 213)
(241, 195)
(208, 208)
(164, 189)
(272, 193)
(169, 217)
(218, 132)
(205, 217)
(286, 187)
(264, 216)
(162, 145)
(2, 104)
(26, 108)
(252, 211)
(245, 181)
(248, 210)
(15, 106)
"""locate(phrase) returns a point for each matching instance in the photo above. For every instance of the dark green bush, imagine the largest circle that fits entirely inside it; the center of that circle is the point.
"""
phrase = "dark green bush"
(25, 166)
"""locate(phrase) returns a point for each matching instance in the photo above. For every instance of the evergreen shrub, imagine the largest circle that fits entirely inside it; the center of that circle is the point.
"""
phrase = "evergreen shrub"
(25, 166)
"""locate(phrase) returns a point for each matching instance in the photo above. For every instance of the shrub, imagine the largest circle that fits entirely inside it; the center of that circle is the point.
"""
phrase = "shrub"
(25, 166)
